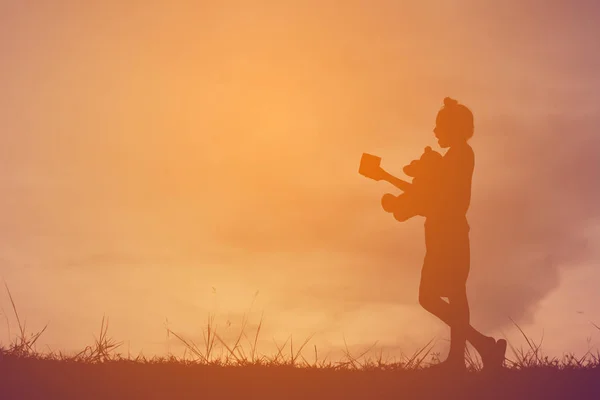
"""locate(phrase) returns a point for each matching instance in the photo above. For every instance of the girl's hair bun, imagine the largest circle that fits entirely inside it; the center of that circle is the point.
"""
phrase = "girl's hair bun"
(448, 102)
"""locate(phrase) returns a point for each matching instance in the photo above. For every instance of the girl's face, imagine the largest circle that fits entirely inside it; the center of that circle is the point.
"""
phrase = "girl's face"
(443, 130)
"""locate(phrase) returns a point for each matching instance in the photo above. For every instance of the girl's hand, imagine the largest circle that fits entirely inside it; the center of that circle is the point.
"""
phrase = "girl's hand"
(380, 174)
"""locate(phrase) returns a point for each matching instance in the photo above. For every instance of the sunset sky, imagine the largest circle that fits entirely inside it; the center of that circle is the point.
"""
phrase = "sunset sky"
(163, 160)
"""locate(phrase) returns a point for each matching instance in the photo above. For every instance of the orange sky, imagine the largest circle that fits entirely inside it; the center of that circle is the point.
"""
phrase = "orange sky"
(151, 153)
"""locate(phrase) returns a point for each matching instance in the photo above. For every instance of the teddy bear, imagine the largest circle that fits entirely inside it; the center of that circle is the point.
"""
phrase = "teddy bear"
(415, 201)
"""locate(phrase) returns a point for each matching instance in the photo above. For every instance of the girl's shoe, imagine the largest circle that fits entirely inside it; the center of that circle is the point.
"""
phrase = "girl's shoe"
(493, 358)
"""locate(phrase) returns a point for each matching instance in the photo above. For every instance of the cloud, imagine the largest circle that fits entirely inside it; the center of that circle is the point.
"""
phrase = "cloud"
(529, 228)
(533, 199)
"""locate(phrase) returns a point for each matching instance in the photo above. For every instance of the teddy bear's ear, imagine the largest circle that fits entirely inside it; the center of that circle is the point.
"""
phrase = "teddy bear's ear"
(427, 149)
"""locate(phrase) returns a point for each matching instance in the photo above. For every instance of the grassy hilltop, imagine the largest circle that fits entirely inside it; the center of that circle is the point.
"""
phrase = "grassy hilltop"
(238, 372)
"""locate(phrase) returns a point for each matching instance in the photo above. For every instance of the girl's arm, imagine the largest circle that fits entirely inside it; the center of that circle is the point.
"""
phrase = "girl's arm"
(397, 182)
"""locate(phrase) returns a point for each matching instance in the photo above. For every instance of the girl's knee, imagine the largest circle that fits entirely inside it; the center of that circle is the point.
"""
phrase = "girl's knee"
(458, 295)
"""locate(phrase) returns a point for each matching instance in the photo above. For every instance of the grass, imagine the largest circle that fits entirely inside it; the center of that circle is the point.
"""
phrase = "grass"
(215, 368)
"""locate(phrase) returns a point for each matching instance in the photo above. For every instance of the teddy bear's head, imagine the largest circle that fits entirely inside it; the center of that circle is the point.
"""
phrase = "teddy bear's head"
(427, 165)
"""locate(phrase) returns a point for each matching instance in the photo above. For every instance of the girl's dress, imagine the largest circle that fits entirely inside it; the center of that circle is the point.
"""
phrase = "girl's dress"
(447, 259)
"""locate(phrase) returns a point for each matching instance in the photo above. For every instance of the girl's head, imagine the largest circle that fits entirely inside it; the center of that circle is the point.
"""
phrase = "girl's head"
(454, 123)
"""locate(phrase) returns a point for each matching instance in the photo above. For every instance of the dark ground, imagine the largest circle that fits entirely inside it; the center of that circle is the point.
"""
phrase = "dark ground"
(22, 378)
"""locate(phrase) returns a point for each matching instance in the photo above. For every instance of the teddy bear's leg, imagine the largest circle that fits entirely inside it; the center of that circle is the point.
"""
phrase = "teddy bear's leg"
(388, 202)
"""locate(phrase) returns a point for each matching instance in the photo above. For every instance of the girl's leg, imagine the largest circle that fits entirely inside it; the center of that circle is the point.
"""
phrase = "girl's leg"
(456, 251)
(459, 317)
(441, 309)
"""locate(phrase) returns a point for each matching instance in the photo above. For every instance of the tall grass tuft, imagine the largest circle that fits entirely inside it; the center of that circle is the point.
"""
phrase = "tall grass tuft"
(243, 351)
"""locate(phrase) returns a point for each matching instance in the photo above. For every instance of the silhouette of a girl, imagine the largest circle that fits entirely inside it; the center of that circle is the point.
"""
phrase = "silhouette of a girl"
(447, 259)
